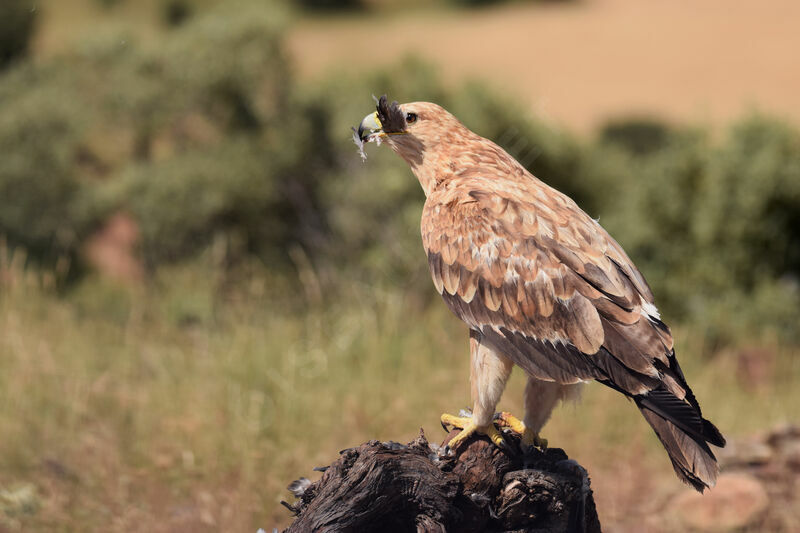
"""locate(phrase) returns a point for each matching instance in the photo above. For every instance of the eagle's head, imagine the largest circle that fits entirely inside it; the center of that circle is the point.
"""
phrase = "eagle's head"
(413, 130)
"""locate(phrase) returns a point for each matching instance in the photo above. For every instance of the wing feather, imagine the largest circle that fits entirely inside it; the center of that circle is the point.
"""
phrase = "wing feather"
(548, 275)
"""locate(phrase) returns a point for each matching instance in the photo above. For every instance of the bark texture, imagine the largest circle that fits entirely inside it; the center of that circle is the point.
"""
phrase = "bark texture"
(392, 487)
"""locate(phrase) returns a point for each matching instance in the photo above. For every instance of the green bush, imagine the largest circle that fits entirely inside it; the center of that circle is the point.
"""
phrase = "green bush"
(176, 12)
(477, 3)
(751, 214)
(17, 24)
(39, 179)
(637, 135)
(329, 5)
(77, 128)
(714, 224)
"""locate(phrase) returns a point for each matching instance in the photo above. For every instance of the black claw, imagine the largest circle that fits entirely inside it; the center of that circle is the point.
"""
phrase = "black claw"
(527, 451)
(529, 454)
(504, 446)
(442, 452)
(508, 449)
(444, 427)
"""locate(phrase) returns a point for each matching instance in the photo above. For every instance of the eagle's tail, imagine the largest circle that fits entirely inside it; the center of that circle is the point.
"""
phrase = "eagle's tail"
(685, 435)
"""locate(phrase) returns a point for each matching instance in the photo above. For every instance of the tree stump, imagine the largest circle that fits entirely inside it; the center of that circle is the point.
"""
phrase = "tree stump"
(392, 487)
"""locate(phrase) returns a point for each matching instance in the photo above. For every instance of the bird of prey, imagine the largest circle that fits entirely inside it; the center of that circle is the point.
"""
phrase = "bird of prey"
(541, 285)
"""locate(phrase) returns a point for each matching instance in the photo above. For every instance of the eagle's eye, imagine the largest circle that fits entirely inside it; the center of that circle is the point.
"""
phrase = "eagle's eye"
(411, 118)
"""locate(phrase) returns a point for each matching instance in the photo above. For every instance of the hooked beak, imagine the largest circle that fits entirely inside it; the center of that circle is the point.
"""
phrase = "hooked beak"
(369, 126)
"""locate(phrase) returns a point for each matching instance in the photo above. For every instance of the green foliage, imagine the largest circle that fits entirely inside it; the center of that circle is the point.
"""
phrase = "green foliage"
(715, 228)
(17, 23)
(753, 202)
(472, 3)
(95, 131)
(477, 3)
(330, 5)
(637, 135)
(39, 181)
(176, 12)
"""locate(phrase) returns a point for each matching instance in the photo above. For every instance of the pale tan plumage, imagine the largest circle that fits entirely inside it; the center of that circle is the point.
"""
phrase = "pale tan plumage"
(542, 285)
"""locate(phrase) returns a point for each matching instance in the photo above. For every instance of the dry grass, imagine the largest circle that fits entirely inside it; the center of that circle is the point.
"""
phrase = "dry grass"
(172, 409)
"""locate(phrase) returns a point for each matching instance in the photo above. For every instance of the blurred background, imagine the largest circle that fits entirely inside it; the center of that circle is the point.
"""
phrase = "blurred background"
(204, 293)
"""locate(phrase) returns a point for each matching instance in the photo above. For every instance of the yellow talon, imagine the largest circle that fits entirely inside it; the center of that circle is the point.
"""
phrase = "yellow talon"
(496, 437)
(468, 428)
(510, 421)
(456, 421)
(529, 437)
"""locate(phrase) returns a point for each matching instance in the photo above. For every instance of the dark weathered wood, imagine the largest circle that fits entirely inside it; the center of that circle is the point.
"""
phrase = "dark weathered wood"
(391, 487)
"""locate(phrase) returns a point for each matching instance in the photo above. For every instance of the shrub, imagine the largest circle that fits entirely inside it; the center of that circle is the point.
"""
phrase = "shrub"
(330, 5)
(476, 3)
(40, 137)
(17, 24)
(751, 215)
(637, 135)
(711, 225)
(77, 127)
(176, 12)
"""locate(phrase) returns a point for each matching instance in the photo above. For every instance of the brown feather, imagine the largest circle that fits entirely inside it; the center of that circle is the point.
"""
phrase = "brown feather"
(468, 284)
(451, 274)
(490, 295)
(584, 328)
(693, 461)
(435, 264)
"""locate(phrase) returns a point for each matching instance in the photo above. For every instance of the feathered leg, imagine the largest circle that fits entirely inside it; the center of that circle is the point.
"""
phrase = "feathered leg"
(489, 372)
(541, 397)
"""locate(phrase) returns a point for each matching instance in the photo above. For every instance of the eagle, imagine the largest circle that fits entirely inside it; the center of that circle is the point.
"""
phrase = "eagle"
(541, 285)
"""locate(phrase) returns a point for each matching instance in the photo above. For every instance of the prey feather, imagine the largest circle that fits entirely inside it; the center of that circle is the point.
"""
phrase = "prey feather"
(360, 144)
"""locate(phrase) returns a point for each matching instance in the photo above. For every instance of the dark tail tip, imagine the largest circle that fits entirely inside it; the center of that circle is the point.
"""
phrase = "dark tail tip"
(712, 434)
(692, 459)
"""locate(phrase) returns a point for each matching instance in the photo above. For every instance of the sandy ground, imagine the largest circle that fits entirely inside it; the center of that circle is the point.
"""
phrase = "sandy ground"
(707, 61)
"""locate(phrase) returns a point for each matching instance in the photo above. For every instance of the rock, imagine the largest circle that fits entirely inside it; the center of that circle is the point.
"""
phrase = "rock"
(738, 500)
(786, 443)
(782, 434)
(744, 453)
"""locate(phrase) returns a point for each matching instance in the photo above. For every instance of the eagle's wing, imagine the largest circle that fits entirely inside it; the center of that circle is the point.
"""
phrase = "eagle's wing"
(546, 285)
